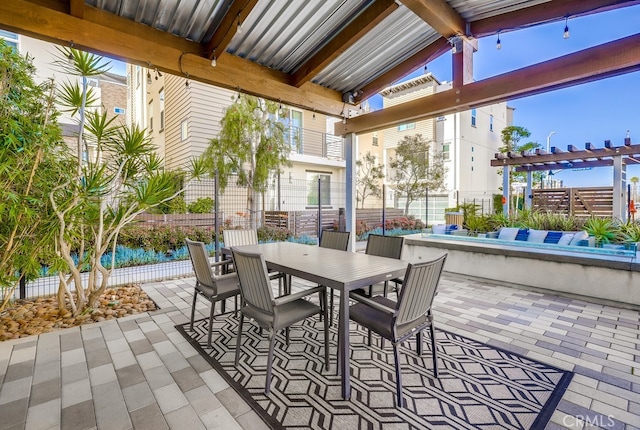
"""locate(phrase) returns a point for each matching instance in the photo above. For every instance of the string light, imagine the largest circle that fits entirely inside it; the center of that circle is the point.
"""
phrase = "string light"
(186, 82)
(214, 60)
(239, 28)
(425, 68)
(158, 73)
(70, 56)
(498, 43)
(566, 28)
(149, 81)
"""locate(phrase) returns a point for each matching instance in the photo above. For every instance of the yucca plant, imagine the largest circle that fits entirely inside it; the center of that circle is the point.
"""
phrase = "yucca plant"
(604, 230)
(630, 232)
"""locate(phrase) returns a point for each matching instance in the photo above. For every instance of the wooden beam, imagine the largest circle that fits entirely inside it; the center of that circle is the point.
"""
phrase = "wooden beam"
(76, 8)
(135, 43)
(419, 59)
(542, 13)
(565, 166)
(568, 156)
(353, 32)
(606, 60)
(228, 27)
(439, 15)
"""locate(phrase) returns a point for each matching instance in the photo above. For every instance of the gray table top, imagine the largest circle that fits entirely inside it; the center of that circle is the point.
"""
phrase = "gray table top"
(335, 269)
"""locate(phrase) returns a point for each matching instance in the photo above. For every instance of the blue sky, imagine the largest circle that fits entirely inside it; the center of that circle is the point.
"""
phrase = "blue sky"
(592, 112)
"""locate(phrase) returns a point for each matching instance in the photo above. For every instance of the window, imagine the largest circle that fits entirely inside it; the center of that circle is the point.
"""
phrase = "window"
(119, 110)
(10, 38)
(473, 117)
(150, 113)
(184, 130)
(441, 118)
(312, 188)
(446, 151)
(374, 139)
(490, 122)
(408, 126)
(292, 120)
(161, 96)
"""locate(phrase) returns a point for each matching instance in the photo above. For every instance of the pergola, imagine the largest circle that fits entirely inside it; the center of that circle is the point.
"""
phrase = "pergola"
(326, 55)
(617, 156)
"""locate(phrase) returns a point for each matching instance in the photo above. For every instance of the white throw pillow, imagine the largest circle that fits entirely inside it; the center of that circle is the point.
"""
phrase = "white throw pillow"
(439, 229)
(537, 236)
(566, 239)
(508, 233)
(581, 235)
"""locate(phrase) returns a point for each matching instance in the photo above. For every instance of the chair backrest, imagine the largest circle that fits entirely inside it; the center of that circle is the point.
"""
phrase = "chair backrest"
(201, 266)
(335, 240)
(385, 246)
(418, 290)
(239, 237)
(255, 285)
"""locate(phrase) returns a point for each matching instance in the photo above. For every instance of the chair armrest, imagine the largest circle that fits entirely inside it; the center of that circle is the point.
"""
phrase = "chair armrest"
(299, 295)
(372, 303)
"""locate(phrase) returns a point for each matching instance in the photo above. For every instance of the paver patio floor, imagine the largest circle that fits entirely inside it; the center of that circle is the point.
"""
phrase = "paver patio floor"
(139, 372)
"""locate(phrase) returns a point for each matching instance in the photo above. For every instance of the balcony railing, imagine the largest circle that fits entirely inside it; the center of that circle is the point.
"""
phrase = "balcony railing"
(310, 142)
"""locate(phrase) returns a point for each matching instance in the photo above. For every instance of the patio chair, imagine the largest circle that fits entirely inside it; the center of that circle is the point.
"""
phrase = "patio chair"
(385, 246)
(213, 288)
(273, 314)
(248, 237)
(334, 240)
(397, 321)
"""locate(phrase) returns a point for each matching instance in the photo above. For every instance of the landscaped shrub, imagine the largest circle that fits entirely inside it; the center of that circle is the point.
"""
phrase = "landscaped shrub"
(163, 238)
(273, 234)
(203, 205)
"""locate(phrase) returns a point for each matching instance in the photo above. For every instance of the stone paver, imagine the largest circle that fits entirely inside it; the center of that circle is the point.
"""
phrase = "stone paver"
(138, 372)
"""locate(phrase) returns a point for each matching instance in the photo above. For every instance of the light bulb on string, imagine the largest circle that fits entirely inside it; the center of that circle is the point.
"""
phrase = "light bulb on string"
(498, 43)
(566, 28)
(239, 27)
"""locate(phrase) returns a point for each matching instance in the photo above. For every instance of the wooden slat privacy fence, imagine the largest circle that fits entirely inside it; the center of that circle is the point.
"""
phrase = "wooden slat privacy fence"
(578, 202)
(300, 223)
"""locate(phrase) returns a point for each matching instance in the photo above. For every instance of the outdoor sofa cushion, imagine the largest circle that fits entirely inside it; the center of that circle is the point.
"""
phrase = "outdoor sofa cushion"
(537, 236)
(566, 239)
(579, 236)
(508, 233)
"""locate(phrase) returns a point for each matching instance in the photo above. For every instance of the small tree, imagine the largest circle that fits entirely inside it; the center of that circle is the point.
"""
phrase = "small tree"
(511, 137)
(417, 169)
(120, 178)
(251, 143)
(370, 175)
(32, 162)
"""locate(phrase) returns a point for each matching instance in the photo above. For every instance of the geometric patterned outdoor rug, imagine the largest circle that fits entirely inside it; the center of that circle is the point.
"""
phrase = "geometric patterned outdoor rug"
(479, 386)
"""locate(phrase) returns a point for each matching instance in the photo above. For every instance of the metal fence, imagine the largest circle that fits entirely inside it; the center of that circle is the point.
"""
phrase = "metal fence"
(303, 207)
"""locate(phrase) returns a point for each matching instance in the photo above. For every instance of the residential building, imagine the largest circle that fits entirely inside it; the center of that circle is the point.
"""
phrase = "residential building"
(467, 139)
(182, 117)
(110, 90)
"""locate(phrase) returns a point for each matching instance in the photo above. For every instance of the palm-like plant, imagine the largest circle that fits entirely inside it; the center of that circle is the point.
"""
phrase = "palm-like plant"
(120, 179)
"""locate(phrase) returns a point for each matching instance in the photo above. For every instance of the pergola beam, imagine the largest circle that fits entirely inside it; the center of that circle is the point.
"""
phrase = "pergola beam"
(419, 59)
(228, 27)
(602, 61)
(542, 13)
(517, 159)
(140, 44)
(359, 27)
(439, 15)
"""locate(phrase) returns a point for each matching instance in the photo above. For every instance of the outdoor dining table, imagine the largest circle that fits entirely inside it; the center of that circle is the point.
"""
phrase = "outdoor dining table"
(340, 270)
